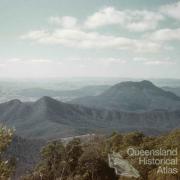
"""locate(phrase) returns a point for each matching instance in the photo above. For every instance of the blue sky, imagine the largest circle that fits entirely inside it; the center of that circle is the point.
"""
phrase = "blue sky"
(80, 38)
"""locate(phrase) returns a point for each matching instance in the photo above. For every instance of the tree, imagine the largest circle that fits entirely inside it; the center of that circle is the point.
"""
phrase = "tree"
(58, 161)
(134, 138)
(52, 160)
(73, 152)
(6, 167)
(92, 166)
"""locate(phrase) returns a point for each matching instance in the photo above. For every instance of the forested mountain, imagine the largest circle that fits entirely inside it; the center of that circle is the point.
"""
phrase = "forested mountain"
(132, 96)
(48, 118)
(89, 160)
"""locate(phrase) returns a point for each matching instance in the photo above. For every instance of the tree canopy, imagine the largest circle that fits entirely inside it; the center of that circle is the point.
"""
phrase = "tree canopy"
(6, 166)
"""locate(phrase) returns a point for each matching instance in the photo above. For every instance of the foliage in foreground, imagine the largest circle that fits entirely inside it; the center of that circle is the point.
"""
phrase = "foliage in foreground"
(88, 161)
(6, 166)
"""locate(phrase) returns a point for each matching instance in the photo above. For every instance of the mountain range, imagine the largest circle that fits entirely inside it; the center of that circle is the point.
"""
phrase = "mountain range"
(124, 107)
(50, 119)
(63, 95)
(175, 90)
(132, 96)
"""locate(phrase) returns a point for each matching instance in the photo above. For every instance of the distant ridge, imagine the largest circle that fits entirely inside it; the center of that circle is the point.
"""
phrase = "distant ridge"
(64, 95)
(49, 119)
(175, 90)
(132, 96)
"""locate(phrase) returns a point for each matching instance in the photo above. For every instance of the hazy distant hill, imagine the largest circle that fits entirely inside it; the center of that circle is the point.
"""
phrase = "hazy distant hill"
(132, 96)
(48, 118)
(65, 94)
(175, 90)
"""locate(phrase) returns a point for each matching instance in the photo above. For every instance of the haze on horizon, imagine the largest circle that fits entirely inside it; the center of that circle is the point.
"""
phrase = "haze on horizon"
(110, 38)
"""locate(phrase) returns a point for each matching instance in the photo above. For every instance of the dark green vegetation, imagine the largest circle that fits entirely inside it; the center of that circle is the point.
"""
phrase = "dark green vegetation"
(120, 143)
(6, 165)
(26, 152)
(88, 161)
(73, 161)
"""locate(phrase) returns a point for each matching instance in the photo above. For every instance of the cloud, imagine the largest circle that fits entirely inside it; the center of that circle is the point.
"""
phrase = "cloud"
(85, 34)
(81, 39)
(133, 20)
(80, 66)
(148, 61)
(143, 20)
(112, 60)
(172, 10)
(159, 62)
(139, 59)
(106, 16)
(28, 60)
(2, 65)
(106, 61)
(65, 21)
(165, 35)
(38, 34)
(40, 61)
(14, 60)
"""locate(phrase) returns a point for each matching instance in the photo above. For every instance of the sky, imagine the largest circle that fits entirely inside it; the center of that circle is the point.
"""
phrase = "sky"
(82, 38)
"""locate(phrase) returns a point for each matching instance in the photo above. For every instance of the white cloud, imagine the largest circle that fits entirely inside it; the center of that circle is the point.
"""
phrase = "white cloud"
(82, 39)
(65, 61)
(35, 34)
(64, 21)
(80, 66)
(108, 61)
(14, 60)
(83, 35)
(165, 35)
(139, 59)
(172, 10)
(159, 62)
(2, 65)
(112, 60)
(150, 61)
(133, 20)
(143, 20)
(40, 61)
(27, 60)
(106, 16)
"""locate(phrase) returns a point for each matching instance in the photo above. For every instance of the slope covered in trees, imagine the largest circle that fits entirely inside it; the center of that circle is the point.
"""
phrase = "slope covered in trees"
(6, 165)
(88, 160)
